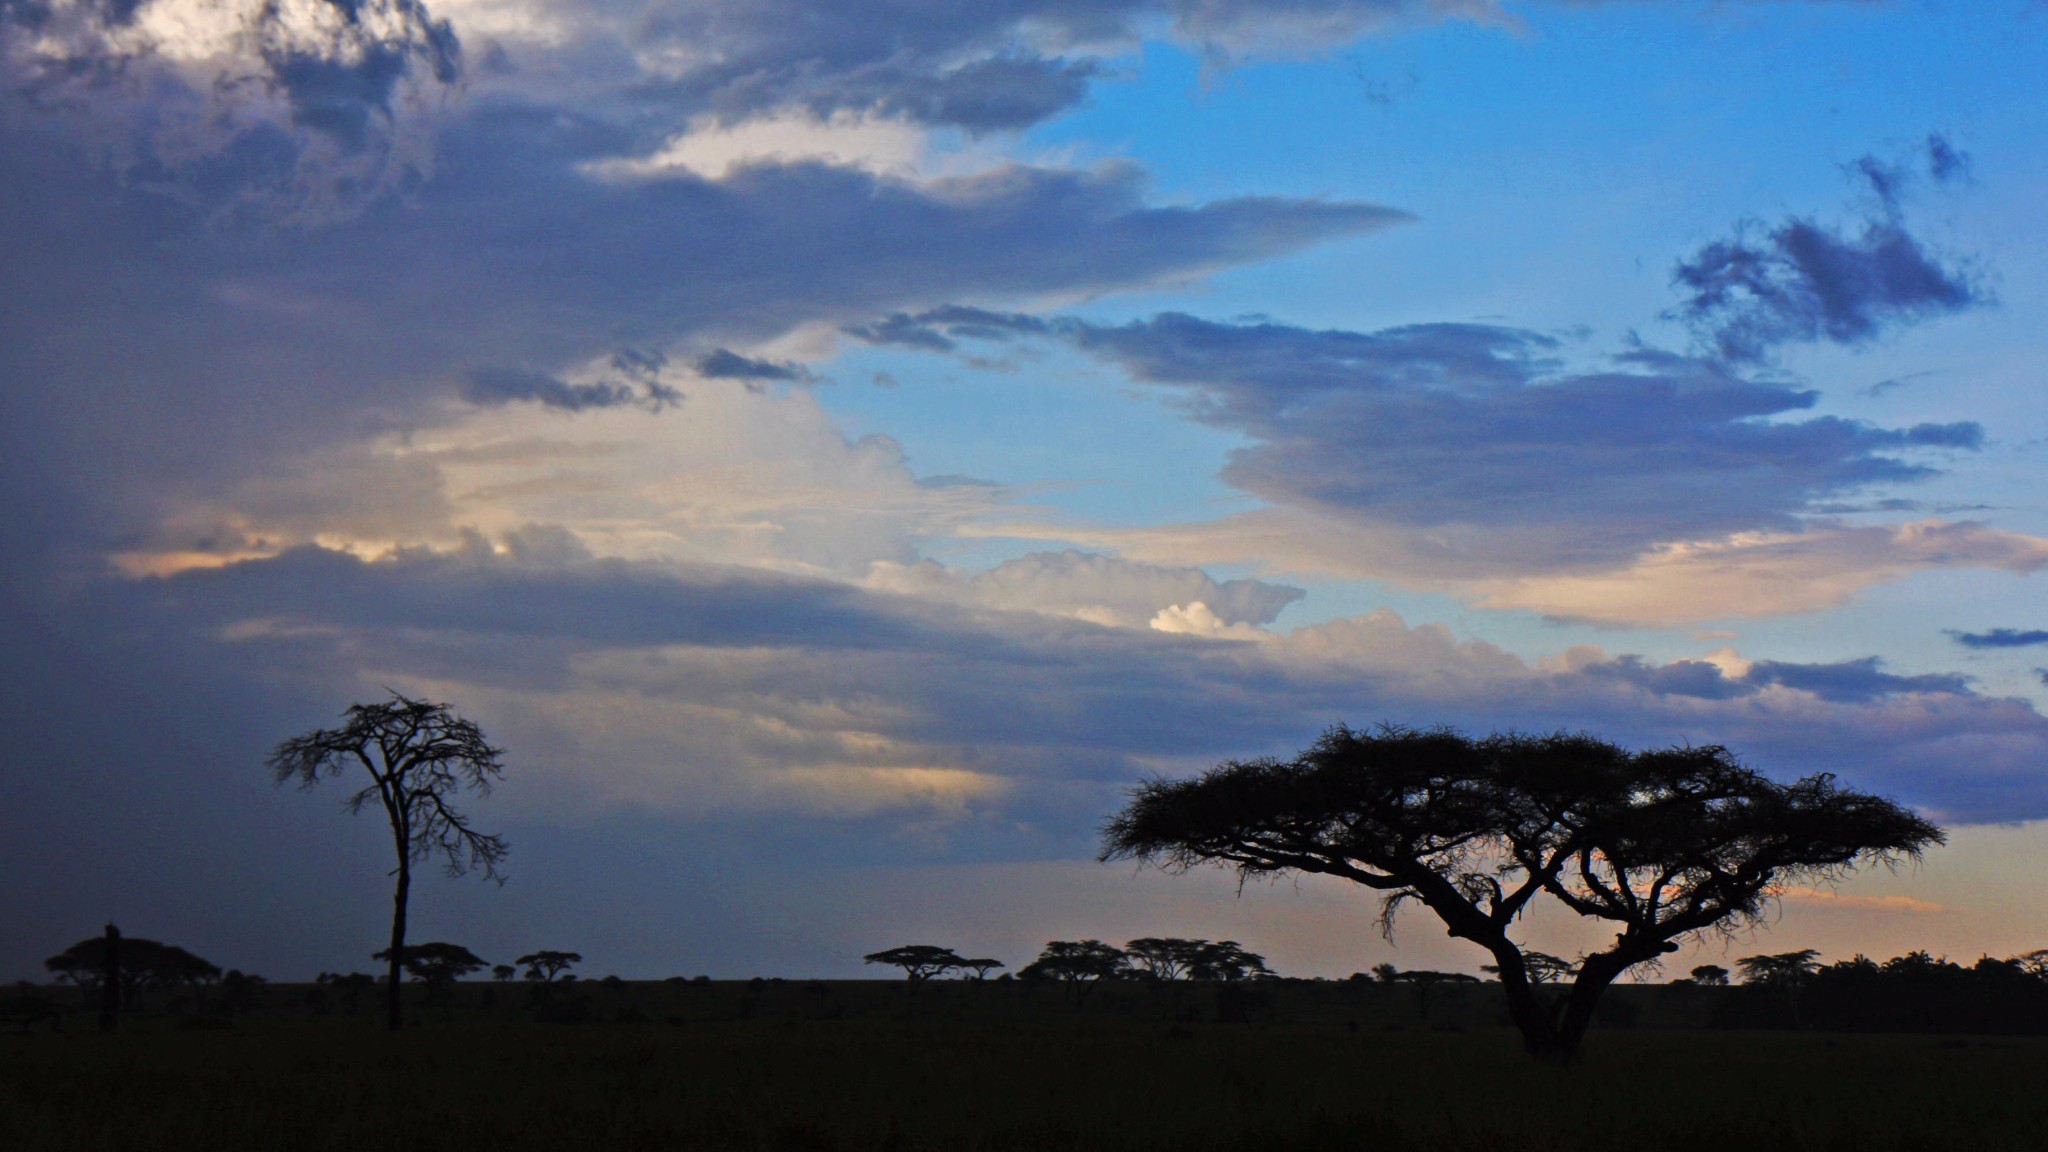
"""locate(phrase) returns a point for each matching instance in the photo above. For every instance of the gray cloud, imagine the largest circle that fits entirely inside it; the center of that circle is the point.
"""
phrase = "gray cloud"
(1483, 433)
(507, 385)
(1053, 706)
(499, 278)
(2001, 638)
(1799, 281)
(723, 364)
(990, 66)
(1104, 589)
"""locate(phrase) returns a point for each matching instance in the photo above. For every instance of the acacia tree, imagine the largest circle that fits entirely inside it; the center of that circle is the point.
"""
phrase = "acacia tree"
(981, 966)
(1665, 843)
(1175, 958)
(920, 962)
(1079, 965)
(545, 965)
(419, 756)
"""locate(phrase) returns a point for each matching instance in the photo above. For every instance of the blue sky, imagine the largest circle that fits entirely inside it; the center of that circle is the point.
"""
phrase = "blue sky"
(838, 447)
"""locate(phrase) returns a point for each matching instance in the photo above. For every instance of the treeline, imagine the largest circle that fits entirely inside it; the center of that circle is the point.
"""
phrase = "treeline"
(1916, 992)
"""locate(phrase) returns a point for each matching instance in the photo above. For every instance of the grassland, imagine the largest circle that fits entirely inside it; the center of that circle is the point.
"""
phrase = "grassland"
(844, 1066)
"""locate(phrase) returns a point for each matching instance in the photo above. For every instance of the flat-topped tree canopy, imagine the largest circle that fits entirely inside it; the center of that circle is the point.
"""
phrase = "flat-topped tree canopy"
(1665, 843)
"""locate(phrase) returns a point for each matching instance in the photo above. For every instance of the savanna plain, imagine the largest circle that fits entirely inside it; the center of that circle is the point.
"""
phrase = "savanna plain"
(966, 1065)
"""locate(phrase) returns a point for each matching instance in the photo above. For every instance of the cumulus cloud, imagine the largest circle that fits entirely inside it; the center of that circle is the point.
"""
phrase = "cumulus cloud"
(1799, 280)
(296, 111)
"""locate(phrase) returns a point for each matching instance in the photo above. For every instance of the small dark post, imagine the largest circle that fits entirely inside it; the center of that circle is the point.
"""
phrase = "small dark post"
(110, 982)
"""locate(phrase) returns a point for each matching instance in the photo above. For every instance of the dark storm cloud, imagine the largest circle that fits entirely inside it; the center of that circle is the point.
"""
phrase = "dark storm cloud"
(1466, 425)
(340, 94)
(2001, 638)
(500, 276)
(1799, 280)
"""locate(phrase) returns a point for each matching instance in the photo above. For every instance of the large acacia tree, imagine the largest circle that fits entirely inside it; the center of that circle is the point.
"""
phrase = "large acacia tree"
(1664, 843)
(419, 756)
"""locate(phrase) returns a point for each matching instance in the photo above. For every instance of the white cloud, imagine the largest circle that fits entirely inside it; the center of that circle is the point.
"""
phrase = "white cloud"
(714, 150)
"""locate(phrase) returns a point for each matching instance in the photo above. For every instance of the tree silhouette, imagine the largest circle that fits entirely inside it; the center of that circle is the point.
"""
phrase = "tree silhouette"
(142, 965)
(920, 962)
(1425, 981)
(981, 966)
(1665, 843)
(1779, 969)
(419, 755)
(1176, 958)
(435, 964)
(1079, 965)
(1710, 976)
(544, 965)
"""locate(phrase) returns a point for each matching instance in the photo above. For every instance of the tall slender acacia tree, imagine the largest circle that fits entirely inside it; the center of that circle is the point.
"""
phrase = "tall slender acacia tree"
(419, 755)
(1663, 844)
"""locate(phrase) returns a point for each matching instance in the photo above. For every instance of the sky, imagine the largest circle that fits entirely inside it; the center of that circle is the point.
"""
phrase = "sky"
(837, 449)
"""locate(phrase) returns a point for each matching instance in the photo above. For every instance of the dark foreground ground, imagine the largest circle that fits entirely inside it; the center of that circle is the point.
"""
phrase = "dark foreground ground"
(842, 1066)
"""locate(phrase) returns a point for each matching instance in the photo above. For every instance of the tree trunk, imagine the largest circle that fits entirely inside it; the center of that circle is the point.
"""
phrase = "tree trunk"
(1532, 1016)
(111, 981)
(394, 1009)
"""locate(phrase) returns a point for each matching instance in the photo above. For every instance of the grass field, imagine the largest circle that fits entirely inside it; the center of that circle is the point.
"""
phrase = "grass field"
(842, 1066)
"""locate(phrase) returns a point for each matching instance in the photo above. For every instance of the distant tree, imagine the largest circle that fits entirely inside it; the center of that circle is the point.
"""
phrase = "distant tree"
(1710, 976)
(144, 966)
(1425, 982)
(419, 757)
(1665, 844)
(1079, 965)
(1176, 958)
(2033, 963)
(920, 962)
(1779, 969)
(241, 988)
(981, 966)
(1226, 960)
(503, 972)
(1385, 973)
(435, 964)
(544, 966)
(351, 986)
(1162, 957)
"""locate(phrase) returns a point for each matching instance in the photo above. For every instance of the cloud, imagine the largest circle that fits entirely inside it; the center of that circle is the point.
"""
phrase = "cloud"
(979, 67)
(507, 385)
(293, 111)
(511, 277)
(1764, 574)
(2001, 638)
(1100, 589)
(724, 364)
(1800, 281)
(1480, 452)
(722, 681)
